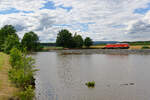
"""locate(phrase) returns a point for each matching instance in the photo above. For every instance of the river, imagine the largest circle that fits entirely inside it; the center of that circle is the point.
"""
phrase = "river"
(117, 76)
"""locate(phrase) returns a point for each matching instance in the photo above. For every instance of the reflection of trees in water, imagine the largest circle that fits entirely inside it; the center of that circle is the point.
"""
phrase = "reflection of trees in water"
(65, 71)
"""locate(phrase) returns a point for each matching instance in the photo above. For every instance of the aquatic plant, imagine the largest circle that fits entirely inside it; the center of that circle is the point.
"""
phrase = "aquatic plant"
(90, 84)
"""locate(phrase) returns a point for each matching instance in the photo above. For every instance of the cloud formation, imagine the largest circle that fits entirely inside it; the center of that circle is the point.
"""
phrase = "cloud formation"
(100, 19)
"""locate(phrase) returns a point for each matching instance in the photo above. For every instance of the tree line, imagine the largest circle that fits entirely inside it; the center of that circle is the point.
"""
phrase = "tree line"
(9, 39)
(65, 39)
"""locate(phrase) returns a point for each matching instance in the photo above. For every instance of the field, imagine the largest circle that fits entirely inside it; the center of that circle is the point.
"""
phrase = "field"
(47, 48)
(7, 90)
(132, 47)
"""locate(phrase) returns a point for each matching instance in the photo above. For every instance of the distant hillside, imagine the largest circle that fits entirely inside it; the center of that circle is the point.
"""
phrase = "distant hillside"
(113, 42)
(105, 42)
(138, 42)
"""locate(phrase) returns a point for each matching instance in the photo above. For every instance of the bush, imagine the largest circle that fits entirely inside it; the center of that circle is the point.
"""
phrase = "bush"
(21, 77)
(90, 84)
(28, 94)
(15, 56)
(145, 47)
(12, 41)
(22, 73)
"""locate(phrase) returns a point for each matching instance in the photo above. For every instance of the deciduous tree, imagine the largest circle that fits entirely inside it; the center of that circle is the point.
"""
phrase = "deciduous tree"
(30, 41)
(88, 42)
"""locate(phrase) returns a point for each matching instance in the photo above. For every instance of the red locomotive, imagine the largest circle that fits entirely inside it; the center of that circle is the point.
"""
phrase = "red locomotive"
(117, 46)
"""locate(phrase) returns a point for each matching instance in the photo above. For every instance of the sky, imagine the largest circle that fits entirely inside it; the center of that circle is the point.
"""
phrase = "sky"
(102, 20)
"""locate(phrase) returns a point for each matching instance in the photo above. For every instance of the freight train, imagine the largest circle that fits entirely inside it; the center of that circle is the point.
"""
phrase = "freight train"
(117, 46)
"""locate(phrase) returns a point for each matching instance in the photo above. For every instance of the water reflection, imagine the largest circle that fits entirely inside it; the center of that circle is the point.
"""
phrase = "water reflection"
(117, 77)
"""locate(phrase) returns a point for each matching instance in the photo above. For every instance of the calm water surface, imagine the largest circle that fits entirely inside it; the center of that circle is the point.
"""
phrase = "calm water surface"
(117, 77)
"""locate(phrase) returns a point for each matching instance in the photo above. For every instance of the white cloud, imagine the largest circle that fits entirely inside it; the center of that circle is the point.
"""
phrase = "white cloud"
(99, 19)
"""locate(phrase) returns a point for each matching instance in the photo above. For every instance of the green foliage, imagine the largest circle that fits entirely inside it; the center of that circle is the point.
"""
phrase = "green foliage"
(15, 57)
(138, 43)
(78, 41)
(30, 41)
(22, 73)
(90, 84)
(88, 42)
(12, 41)
(28, 94)
(1, 60)
(64, 39)
(145, 47)
(5, 32)
(21, 77)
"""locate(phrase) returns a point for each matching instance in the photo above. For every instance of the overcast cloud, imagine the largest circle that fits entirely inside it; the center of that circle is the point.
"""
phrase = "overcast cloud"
(119, 20)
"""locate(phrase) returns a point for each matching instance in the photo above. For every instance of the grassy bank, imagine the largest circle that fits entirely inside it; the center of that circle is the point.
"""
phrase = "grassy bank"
(132, 47)
(7, 89)
(48, 48)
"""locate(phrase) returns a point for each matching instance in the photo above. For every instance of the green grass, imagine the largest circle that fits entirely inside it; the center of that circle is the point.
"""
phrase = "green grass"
(1, 60)
(0, 84)
(145, 47)
(47, 48)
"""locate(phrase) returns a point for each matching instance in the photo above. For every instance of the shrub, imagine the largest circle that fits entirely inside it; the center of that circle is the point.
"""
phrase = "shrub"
(11, 42)
(21, 77)
(145, 47)
(90, 84)
(28, 94)
(15, 56)
(22, 73)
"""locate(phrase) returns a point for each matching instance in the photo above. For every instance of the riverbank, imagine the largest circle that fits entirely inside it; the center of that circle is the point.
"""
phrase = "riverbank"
(132, 47)
(7, 89)
(102, 51)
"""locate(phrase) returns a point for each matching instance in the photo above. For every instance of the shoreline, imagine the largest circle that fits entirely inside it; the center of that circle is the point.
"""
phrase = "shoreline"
(101, 51)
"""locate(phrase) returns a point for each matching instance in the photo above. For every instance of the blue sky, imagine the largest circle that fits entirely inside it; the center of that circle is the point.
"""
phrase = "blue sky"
(51, 5)
(100, 19)
(9, 11)
(142, 10)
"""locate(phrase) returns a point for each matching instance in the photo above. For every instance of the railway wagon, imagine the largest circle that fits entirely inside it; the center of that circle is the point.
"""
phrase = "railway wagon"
(117, 46)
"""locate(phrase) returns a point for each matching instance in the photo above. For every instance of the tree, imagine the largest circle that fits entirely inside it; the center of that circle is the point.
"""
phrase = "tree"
(5, 32)
(30, 41)
(78, 41)
(64, 39)
(88, 42)
(12, 41)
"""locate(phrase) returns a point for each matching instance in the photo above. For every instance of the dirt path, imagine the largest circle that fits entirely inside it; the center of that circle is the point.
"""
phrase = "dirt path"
(7, 90)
